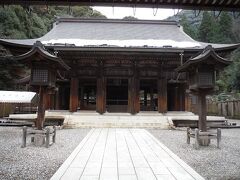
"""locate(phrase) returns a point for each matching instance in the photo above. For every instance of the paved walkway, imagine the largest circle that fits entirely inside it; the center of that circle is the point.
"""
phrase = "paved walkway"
(123, 154)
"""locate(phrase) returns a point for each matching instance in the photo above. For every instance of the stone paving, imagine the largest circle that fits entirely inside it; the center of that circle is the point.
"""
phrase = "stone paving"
(123, 154)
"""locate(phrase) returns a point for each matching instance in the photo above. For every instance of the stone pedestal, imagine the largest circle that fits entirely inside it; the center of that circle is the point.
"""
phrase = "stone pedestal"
(39, 140)
(204, 142)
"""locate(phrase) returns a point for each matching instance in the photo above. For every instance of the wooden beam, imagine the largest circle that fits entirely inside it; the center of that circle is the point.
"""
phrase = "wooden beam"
(162, 95)
(180, 4)
(73, 102)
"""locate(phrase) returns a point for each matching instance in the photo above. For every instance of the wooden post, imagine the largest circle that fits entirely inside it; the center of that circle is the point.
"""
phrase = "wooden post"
(202, 111)
(24, 138)
(54, 134)
(162, 95)
(41, 108)
(101, 95)
(218, 137)
(196, 138)
(188, 135)
(47, 138)
(73, 103)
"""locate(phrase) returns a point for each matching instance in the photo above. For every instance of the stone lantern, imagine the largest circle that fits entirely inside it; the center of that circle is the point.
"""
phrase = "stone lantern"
(44, 66)
(202, 72)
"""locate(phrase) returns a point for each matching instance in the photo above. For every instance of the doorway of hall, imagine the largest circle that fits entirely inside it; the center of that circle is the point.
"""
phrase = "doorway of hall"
(117, 95)
(148, 95)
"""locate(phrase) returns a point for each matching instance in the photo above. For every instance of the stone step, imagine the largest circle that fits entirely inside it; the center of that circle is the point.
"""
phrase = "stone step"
(106, 121)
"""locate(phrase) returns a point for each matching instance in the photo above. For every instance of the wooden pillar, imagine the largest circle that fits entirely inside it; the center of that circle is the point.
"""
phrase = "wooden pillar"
(82, 98)
(130, 95)
(41, 108)
(46, 100)
(87, 96)
(202, 111)
(151, 99)
(133, 95)
(73, 103)
(57, 99)
(145, 98)
(182, 94)
(137, 96)
(176, 98)
(187, 102)
(162, 95)
(101, 95)
(101, 89)
(133, 91)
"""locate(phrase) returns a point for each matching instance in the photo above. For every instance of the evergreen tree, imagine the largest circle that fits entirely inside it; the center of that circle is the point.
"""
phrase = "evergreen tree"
(225, 28)
(187, 28)
(208, 28)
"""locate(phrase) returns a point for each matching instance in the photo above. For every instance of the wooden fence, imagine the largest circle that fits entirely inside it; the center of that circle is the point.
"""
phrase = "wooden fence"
(6, 109)
(229, 109)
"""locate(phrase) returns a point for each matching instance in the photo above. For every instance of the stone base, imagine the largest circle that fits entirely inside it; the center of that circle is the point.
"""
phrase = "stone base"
(39, 140)
(204, 142)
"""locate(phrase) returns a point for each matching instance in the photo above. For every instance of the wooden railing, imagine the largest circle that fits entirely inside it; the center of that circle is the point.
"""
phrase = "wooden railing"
(229, 109)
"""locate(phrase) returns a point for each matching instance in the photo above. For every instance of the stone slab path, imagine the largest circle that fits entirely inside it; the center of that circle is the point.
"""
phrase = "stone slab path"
(123, 154)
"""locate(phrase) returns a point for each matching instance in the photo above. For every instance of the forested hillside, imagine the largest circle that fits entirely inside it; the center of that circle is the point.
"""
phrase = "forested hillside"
(210, 27)
(21, 23)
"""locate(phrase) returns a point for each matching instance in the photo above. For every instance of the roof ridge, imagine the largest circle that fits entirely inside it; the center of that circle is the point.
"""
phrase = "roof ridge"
(101, 20)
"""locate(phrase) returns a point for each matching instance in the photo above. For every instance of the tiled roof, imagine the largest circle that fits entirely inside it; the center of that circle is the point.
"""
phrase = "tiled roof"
(203, 57)
(116, 33)
(17, 97)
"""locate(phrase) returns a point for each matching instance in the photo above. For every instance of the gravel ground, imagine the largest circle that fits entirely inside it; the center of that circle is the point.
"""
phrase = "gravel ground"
(210, 162)
(41, 163)
(35, 162)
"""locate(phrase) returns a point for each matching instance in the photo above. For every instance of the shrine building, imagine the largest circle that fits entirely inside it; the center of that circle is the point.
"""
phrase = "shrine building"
(116, 65)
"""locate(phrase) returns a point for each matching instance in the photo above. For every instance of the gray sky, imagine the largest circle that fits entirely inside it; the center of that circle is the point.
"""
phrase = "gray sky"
(140, 13)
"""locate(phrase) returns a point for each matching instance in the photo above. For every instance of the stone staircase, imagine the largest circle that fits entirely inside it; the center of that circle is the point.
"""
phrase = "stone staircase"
(116, 120)
(91, 119)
